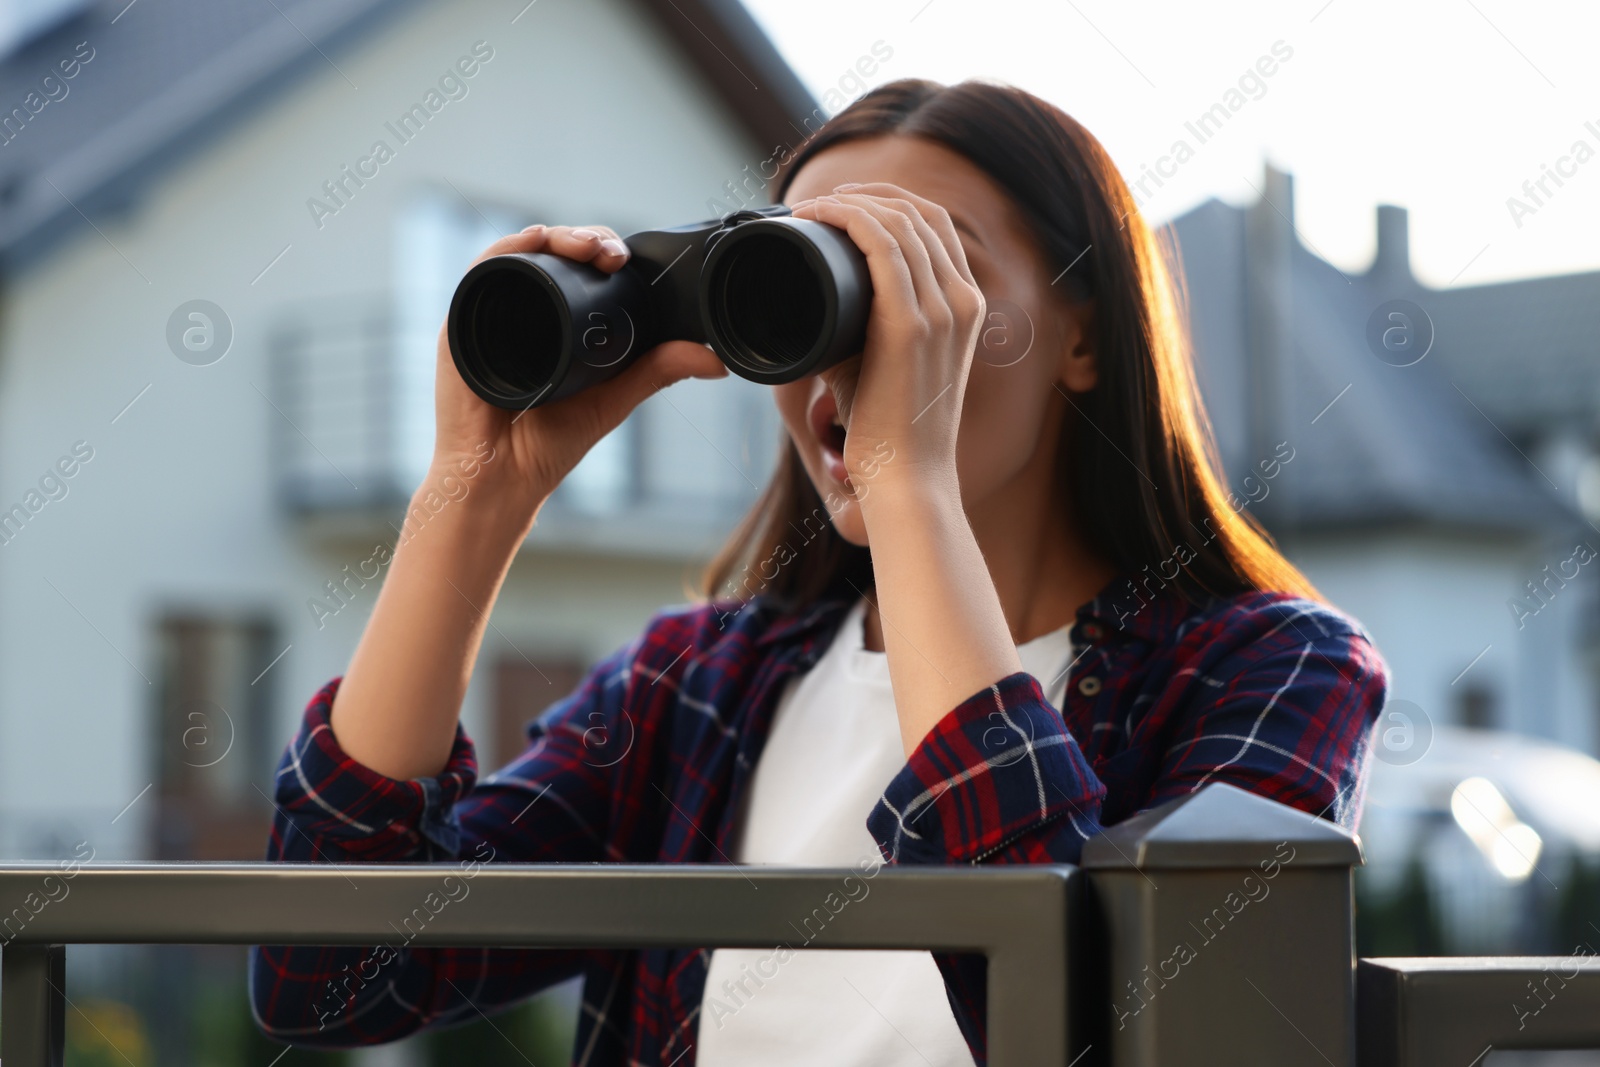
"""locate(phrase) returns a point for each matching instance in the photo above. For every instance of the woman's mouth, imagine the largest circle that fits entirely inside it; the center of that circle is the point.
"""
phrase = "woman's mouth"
(830, 435)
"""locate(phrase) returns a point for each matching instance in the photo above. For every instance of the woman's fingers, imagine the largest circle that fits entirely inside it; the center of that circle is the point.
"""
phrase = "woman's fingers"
(934, 214)
(913, 244)
(599, 245)
(950, 287)
(947, 302)
(886, 261)
(958, 290)
(934, 256)
(529, 240)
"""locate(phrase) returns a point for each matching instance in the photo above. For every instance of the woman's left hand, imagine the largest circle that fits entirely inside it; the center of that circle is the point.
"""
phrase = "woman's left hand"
(907, 387)
(943, 628)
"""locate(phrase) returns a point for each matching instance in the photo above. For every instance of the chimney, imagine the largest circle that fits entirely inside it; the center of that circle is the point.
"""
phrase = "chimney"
(1270, 245)
(1393, 260)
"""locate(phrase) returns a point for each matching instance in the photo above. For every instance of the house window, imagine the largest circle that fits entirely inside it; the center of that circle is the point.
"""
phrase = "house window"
(213, 753)
(606, 480)
(437, 237)
(523, 688)
(1475, 707)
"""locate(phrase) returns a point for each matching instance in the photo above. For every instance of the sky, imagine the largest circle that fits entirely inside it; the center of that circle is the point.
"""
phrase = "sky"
(1445, 107)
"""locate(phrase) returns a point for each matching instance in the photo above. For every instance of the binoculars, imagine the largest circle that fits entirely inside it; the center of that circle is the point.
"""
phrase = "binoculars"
(776, 297)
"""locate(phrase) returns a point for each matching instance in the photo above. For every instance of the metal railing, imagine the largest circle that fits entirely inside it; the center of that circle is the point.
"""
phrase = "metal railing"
(1453, 1011)
(352, 433)
(1018, 917)
(1218, 928)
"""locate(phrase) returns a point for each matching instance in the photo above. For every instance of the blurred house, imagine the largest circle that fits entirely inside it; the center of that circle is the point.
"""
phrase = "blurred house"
(1443, 488)
(320, 173)
(191, 493)
(1439, 442)
(229, 233)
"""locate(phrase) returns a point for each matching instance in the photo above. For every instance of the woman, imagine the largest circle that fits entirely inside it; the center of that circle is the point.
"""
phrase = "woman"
(1061, 620)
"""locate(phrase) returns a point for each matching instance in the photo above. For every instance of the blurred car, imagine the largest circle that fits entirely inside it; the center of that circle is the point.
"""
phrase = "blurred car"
(1502, 831)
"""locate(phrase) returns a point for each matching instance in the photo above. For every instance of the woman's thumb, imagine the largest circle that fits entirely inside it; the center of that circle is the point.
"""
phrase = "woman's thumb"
(673, 362)
(685, 359)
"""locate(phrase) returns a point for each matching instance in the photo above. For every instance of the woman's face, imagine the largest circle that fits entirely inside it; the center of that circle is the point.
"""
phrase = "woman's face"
(1032, 339)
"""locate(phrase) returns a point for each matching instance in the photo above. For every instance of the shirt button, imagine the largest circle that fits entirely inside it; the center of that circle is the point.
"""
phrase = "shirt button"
(1089, 686)
(1093, 631)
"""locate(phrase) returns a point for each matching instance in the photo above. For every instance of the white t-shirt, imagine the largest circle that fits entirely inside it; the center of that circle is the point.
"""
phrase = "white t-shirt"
(834, 746)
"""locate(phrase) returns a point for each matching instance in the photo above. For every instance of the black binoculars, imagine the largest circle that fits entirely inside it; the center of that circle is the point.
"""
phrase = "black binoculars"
(776, 297)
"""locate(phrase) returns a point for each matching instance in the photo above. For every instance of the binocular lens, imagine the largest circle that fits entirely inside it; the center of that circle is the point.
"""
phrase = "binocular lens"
(513, 325)
(777, 298)
(768, 303)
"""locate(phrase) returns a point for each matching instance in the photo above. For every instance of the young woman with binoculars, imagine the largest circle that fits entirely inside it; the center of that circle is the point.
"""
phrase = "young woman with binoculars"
(975, 661)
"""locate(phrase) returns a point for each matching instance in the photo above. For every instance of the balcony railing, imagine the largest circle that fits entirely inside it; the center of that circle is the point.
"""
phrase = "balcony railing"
(353, 383)
(1216, 929)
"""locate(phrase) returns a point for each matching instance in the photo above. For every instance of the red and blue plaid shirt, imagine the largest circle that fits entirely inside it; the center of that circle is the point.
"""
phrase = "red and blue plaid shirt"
(651, 757)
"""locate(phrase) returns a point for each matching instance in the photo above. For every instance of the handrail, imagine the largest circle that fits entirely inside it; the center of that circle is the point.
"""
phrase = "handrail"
(1019, 917)
(1215, 928)
(1451, 1011)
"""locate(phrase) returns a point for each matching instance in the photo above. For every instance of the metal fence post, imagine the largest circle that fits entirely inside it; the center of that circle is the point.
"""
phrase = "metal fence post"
(1227, 934)
(33, 984)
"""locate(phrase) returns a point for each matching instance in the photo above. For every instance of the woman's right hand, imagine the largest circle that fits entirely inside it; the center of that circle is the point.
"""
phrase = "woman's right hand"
(397, 707)
(533, 450)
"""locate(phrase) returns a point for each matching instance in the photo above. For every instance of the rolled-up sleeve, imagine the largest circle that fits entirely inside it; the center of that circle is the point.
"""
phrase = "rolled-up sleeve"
(331, 807)
(550, 804)
(1286, 714)
(1001, 778)
(999, 766)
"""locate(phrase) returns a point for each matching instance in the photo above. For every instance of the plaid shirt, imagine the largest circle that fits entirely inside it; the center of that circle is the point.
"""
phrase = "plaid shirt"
(652, 755)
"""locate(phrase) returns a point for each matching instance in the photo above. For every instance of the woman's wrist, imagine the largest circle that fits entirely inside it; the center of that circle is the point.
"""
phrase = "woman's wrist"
(457, 493)
(903, 484)
(943, 627)
(397, 708)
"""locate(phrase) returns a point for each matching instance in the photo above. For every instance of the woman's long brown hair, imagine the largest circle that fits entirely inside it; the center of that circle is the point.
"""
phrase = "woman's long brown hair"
(1139, 466)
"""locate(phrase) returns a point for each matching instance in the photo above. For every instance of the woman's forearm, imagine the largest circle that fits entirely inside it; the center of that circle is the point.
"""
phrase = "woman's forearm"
(944, 629)
(397, 708)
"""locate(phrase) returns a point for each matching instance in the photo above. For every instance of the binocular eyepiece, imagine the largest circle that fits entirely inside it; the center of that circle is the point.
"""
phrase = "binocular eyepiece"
(776, 297)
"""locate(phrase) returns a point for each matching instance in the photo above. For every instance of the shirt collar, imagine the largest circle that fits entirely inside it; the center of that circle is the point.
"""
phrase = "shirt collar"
(1138, 606)
(819, 617)
(1142, 607)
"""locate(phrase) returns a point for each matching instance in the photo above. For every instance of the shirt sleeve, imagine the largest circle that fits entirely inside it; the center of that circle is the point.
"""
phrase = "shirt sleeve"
(548, 805)
(1001, 779)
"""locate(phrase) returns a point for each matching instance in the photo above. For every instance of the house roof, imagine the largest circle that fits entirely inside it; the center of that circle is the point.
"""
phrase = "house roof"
(1399, 444)
(164, 77)
(1528, 350)
(1281, 344)
(737, 58)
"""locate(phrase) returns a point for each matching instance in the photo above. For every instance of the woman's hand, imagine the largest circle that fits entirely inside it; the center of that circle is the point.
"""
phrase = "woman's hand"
(927, 311)
(942, 624)
(536, 448)
(396, 709)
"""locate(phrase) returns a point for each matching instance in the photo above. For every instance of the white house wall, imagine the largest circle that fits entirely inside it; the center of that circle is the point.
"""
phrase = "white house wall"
(1433, 603)
(582, 115)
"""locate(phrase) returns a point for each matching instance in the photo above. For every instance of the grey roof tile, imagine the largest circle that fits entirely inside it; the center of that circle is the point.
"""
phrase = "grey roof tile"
(167, 74)
(1398, 444)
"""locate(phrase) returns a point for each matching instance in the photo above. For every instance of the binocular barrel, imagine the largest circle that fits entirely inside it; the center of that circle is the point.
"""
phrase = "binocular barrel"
(776, 297)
